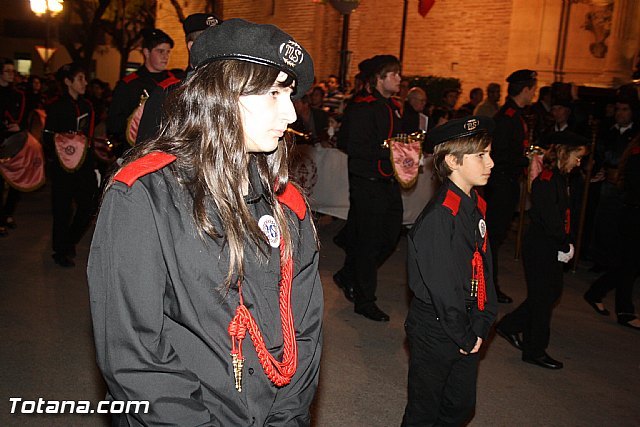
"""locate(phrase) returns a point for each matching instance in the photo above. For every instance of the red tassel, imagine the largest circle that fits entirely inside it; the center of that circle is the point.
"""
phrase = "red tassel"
(478, 275)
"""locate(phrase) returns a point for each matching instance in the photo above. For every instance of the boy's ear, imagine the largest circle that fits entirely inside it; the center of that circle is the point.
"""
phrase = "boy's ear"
(451, 161)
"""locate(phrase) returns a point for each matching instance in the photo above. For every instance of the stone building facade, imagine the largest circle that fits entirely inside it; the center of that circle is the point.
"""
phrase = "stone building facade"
(474, 40)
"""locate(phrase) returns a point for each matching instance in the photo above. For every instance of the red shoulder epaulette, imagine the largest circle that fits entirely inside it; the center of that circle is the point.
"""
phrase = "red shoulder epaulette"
(546, 175)
(368, 98)
(130, 77)
(396, 103)
(452, 201)
(482, 205)
(509, 112)
(292, 198)
(143, 166)
(169, 81)
(634, 151)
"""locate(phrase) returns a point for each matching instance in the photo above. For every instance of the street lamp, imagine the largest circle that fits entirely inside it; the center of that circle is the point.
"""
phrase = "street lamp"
(48, 9)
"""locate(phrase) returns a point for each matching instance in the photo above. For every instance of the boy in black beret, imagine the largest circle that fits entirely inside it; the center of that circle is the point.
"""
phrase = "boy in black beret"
(450, 274)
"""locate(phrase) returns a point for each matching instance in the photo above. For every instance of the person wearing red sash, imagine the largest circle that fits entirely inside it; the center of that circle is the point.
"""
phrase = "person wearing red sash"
(449, 273)
(73, 180)
(547, 245)
(206, 300)
(156, 48)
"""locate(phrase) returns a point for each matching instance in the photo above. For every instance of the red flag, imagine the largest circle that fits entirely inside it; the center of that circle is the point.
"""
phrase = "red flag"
(424, 6)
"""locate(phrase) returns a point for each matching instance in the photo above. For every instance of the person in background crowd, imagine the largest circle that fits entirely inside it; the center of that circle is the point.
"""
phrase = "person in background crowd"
(414, 105)
(509, 142)
(312, 122)
(450, 99)
(203, 275)
(624, 271)
(193, 26)
(475, 98)
(541, 110)
(316, 97)
(12, 111)
(547, 246)
(449, 272)
(156, 48)
(439, 116)
(73, 181)
(334, 99)
(491, 104)
(374, 194)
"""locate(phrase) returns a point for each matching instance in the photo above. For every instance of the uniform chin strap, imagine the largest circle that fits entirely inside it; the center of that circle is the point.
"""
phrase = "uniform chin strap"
(280, 373)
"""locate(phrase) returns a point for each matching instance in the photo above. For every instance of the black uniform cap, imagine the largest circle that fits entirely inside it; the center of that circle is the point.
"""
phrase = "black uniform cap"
(568, 138)
(522, 76)
(152, 37)
(68, 71)
(561, 101)
(199, 22)
(258, 43)
(459, 128)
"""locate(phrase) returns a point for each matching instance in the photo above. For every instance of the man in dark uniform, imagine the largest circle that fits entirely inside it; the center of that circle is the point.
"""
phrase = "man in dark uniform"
(156, 47)
(77, 183)
(375, 211)
(510, 140)
(193, 26)
(449, 272)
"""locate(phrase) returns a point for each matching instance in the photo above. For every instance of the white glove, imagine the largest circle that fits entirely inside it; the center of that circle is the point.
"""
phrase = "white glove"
(566, 256)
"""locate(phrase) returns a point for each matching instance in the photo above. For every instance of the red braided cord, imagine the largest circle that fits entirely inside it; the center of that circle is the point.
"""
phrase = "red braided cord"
(280, 373)
(478, 274)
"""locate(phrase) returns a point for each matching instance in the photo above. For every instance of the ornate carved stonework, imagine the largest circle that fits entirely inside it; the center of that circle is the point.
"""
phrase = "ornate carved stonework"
(598, 21)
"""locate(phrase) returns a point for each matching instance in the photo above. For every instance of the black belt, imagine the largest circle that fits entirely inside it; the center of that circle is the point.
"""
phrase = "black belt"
(374, 179)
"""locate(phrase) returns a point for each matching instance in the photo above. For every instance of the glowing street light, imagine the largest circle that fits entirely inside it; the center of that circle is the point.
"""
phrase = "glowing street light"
(48, 9)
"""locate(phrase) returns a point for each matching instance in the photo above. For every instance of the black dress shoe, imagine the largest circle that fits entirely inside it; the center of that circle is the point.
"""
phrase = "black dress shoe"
(603, 312)
(63, 260)
(625, 322)
(503, 298)
(545, 361)
(347, 289)
(513, 339)
(371, 311)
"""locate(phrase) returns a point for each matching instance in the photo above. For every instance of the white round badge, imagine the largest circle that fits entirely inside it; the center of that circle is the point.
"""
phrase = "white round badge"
(269, 227)
(482, 226)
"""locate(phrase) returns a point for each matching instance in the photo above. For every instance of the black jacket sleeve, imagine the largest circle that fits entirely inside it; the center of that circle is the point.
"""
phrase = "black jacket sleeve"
(544, 197)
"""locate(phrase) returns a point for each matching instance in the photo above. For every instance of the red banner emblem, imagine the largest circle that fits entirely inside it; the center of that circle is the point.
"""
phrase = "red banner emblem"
(405, 158)
(71, 149)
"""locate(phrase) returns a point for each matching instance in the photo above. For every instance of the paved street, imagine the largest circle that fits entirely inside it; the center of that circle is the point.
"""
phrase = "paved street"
(47, 349)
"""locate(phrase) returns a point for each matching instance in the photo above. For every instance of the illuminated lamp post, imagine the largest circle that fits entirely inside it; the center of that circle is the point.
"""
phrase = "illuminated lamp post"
(345, 7)
(48, 9)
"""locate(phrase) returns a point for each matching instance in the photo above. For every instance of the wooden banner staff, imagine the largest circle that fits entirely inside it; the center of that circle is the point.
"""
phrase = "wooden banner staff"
(585, 193)
(524, 189)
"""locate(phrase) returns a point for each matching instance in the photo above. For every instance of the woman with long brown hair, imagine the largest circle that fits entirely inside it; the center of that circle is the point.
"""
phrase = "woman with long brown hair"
(205, 294)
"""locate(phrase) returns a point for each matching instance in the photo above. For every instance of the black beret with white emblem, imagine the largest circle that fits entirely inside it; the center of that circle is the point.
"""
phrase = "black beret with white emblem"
(258, 43)
(522, 76)
(459, 128)
(199, 22)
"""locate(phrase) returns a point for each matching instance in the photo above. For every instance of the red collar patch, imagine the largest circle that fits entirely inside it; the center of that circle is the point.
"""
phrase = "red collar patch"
(546, 175)
(292, 198)
(452, 201)
(143, 166)
(130, 77)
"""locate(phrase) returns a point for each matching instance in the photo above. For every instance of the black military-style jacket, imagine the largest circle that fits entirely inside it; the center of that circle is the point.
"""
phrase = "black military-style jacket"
(441, 247)
(126, 97)
(367, 122)
(160, 318)
(510, 140)
(12, 108)
(549, 213)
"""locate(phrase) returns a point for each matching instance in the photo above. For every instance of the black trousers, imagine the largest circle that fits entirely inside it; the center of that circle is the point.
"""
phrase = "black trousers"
(374, 225)
(442, 381)
(622, 275)
(544, 276)
(8, 207)
(502, 193)
(69, 224)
